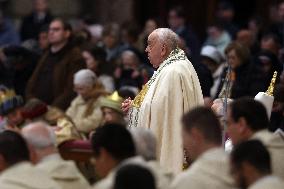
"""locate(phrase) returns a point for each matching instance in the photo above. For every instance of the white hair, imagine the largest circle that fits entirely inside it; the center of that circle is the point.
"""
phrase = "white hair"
(128, 53)
(168, 37)
(39, 135)
(131, 54)
(145, 143)
(84, 77)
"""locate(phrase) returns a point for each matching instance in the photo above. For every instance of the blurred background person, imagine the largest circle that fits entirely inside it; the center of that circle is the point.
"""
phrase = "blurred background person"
(34, 21)
(178, 23)
(111, 41)
(10, 110)
(218, 37)
(146, 146)
(62, 125)
(202, 140)
(213, 60)
(85, 109)
(8, 32)
(225, 15)
(95, 59)
(131, 72)
(16, 168)
(251, 166)
(111, 109)
(42, 142)
(17, 66)
(113, 147)
(52, 80)
(247, 120)
(245, 76)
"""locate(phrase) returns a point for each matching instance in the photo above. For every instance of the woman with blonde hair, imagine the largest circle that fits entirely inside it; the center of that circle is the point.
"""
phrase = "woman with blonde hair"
(85, 109)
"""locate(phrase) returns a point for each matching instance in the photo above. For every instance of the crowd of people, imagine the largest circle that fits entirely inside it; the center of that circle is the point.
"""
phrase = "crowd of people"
(154, 104)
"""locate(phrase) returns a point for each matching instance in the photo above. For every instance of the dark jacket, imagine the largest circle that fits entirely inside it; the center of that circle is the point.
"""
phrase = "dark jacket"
(59, 90)
(31, 25)
(248, 81)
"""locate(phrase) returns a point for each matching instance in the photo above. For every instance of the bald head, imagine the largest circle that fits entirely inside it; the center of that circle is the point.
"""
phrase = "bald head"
(39, 135)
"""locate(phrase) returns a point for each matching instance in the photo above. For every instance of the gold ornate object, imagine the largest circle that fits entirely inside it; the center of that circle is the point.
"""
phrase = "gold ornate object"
(115, 97)
(272, 84)
(140, 97)
(5, 95)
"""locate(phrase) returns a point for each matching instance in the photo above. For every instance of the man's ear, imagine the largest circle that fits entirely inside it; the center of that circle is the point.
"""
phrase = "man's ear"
(196, 134)
(33, 155)
(67, 34)
(102, 154)
(2, 163)
(243, 126)
(164, 50)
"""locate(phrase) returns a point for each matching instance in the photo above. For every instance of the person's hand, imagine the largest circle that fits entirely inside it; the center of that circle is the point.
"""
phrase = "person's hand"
(208, 102)
(126, 105)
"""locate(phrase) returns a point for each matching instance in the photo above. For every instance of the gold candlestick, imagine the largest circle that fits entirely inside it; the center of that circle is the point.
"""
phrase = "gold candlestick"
(272, 84)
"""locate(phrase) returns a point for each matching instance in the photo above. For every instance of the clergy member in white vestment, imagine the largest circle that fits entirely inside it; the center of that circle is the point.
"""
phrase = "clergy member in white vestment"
(251, 166)
(172, 90)
(247, 120)
(16, 170)
(202, 138)
(42, 143)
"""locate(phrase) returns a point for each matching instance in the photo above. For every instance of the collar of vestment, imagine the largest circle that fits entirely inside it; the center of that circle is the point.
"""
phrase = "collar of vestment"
(175, 55)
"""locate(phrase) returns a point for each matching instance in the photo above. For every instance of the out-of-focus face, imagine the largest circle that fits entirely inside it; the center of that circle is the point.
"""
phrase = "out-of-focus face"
(56, 33)
(253, 27)
(174, 21)
(266, 64)
(245, 37)
(150, 26)
(90, 61)
(233, 129)
(40, 5)
(111, 116)
(155, 50)
(281, 11)
(84, 91)
(213, 32)
(268, 44)
(109, 41)
(233, 59)
(226, 15)
(128, 61)
(43, 40)
(15, 117)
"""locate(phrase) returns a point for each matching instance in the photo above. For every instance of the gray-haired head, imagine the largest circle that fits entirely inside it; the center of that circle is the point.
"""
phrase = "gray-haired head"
(145, 143)
(167, 36)
(39, 135)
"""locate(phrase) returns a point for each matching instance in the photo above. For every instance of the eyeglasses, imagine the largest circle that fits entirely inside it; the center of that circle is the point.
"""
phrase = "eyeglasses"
(55, 29)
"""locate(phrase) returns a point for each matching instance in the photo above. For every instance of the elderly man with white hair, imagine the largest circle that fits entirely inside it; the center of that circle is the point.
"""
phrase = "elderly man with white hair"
(145, 144)
(41, 140)
(172, 90)
(85, 109)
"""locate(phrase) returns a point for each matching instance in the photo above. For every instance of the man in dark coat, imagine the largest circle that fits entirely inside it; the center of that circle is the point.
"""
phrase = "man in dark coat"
(52, 80)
